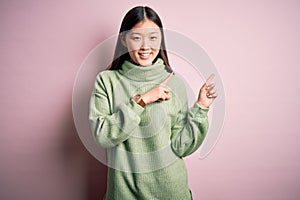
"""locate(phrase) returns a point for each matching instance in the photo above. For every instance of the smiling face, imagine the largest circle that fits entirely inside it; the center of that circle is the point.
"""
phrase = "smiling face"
(143, 42)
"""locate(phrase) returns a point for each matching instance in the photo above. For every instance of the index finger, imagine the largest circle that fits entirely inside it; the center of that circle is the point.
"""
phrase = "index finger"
(210, 78)
(167, 79)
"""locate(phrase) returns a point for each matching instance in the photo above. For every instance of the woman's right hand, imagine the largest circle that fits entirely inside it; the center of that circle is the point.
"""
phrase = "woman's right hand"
(158, 93)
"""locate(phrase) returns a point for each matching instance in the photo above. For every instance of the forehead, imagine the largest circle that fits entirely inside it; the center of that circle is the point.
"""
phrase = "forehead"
(145, 31)
(145, 26)
(146, 23)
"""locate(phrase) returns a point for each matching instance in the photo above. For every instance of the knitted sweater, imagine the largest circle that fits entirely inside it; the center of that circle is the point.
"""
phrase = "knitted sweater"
(145, 146)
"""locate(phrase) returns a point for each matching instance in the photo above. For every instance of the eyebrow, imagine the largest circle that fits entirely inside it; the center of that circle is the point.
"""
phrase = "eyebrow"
(154, 32)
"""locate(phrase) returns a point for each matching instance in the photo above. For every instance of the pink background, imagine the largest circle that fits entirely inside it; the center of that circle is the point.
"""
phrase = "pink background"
(254, 45)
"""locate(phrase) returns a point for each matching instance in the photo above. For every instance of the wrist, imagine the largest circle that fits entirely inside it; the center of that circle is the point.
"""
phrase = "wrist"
(202, 106)
(139, 100)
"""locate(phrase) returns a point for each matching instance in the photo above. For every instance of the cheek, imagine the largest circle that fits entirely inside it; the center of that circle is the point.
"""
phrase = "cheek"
(156, 44)
(133, 46)
(132, 55)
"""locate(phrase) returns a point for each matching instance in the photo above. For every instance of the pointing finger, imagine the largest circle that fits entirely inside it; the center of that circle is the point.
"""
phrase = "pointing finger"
(209, 79)
(211, 85)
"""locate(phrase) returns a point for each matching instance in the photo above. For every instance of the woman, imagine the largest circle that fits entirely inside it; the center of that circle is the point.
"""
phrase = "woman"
(139, 112)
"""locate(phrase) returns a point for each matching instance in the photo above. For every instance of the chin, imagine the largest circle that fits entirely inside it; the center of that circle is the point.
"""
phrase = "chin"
(145, 61)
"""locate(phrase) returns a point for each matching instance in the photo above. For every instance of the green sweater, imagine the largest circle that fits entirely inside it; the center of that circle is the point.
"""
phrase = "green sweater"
(145, 146)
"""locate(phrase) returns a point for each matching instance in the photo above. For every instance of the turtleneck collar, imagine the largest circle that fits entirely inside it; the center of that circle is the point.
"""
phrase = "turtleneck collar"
(144, 73)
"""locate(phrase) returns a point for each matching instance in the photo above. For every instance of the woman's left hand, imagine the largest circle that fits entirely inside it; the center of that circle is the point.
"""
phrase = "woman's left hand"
(207, 93)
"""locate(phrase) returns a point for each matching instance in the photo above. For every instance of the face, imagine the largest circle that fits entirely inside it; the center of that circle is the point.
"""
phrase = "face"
(143, 42)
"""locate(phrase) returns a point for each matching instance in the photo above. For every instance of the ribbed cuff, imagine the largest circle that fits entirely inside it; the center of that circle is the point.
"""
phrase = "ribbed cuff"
(200, 110)
(138, 109)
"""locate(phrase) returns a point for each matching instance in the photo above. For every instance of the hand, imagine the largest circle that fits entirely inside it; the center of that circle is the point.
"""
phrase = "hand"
(207, 93)
(158, 93)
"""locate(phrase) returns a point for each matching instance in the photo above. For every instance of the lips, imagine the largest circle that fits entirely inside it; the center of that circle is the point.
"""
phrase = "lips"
(144, 55)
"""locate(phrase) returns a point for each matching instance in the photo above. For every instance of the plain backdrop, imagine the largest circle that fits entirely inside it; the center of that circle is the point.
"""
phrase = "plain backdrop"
(254, 45)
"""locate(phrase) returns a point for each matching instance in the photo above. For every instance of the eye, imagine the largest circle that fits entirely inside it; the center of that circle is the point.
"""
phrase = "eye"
(136, 38)
(153, 37)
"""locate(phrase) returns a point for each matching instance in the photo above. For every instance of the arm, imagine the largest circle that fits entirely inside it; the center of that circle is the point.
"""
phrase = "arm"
(189, 128)
(111, 129)
(191, 125)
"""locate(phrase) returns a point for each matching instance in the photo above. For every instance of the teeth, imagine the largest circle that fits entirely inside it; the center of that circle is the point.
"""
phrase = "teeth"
(145, 55)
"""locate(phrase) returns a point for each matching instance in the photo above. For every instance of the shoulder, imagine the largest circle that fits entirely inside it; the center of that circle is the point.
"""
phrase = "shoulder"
(177, 86)
(177, 83)
(107, 76)
(105, 79)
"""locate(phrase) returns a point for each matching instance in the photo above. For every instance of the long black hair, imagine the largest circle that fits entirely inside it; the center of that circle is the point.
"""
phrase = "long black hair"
(134, 16)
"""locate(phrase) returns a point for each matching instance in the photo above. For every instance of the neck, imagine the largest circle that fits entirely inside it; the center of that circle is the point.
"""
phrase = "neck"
(136, 72)
(137, 64)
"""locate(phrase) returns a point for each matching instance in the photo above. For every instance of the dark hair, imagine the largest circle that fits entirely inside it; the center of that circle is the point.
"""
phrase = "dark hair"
(134, 16)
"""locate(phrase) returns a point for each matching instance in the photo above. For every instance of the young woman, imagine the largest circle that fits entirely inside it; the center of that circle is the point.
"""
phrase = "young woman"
(139, 112)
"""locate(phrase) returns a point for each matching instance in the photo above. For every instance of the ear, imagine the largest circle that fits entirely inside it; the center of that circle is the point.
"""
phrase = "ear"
(123, 38)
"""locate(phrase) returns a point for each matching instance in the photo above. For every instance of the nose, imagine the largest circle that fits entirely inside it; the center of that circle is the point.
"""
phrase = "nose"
(145, 44)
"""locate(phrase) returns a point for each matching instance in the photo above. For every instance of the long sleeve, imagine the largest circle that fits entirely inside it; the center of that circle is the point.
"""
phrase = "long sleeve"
(189, 129)
(111, 129)
(141, 162)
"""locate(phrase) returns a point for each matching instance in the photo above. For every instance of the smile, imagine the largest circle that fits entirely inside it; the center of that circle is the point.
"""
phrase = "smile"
(145, 55)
